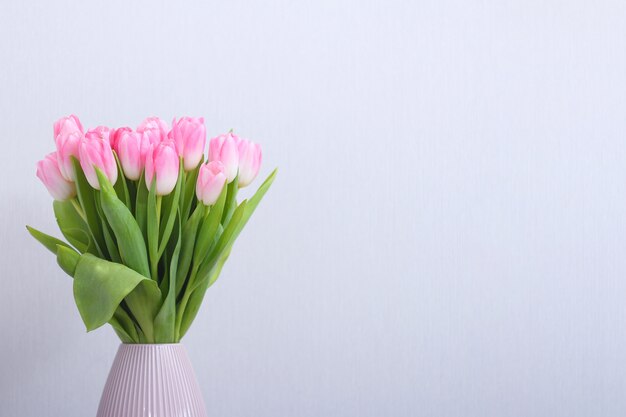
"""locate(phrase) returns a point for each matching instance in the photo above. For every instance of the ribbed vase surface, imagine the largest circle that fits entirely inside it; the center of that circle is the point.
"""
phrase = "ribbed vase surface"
(151, 381)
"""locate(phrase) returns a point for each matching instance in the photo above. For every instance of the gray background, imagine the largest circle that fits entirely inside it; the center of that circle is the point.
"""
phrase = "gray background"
(447, 234)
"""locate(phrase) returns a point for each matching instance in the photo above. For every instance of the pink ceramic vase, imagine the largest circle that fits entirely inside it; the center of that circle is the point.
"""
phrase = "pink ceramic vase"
(151, 381)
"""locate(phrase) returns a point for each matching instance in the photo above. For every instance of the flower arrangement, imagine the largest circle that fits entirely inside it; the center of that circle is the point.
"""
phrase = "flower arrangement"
(149, 225)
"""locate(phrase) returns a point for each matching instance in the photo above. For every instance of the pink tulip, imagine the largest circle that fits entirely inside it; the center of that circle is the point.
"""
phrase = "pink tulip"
(95, 151)
(249, 161)
(67, 124)
(211, 180)
(223, 148)
(155, 129)
(115, 135)
(132, 149)
(100, 132)
(162, 162)
(49, 173)
(189, 135)
(68, 132)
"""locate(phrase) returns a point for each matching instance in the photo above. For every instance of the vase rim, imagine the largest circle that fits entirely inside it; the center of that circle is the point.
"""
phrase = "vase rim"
(151, 344)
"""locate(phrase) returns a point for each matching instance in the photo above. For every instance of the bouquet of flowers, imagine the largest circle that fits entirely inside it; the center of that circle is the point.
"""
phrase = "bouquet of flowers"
(148, 223)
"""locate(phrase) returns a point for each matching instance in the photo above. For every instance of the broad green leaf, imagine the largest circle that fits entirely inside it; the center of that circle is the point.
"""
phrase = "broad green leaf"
(100, 286)
(231, 232)
(122, 316)
(73, 226)
(165, 321)
(120, 331)
(223, 244)
(195, 301)
(48, 241)
(132, 247)
(252, 204)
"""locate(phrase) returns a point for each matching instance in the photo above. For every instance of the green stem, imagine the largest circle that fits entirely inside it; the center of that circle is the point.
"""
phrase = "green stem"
(159, 199)
(78, 208)
(154, 258)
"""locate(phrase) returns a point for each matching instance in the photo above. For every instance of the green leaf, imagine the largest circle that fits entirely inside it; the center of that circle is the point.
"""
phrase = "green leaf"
(189, 239)
(114, 252)
(86, 196)
(257, 197)
(73, 226)
(132, 247)
(253, 203)
(67, 258)
(109, 240)
(48, 241)
(195, 301)
(223, 244)
(240, 218)
(100, 286)
(209, 227)
(120, 330)
(122, 316)
(164, 323)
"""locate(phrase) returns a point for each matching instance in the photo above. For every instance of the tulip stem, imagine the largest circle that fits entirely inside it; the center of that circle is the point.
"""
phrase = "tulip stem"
(78, 208)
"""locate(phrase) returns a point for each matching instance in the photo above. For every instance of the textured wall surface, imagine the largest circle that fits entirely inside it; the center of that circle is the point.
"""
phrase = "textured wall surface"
(447, 233)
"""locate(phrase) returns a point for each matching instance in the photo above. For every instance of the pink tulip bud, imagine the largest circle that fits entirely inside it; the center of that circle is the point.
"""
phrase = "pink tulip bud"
(114, 137)
(100, 132)
(68, 132)
(154, 129)
(211, 180)
(49, 173)
(162, 162)
(131, 148)
(95, 151)
(223, 148)
(189, 135)
(249, 161)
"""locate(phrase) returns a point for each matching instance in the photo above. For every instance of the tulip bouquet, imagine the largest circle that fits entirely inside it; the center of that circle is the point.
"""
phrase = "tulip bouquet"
(148, 223)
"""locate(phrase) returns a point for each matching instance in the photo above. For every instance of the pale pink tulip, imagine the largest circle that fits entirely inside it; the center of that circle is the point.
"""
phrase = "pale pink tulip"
(132, 148)
(114, 137)
(49, 173)
(162, 162)
(249, 161)
(100, 132)
(211, 180)
(155, 129)
(95, 151)
(68, 132)
(223, 148)
(189, 134)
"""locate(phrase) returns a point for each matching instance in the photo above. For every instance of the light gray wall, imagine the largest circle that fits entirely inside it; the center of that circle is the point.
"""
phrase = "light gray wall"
(447, 234)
